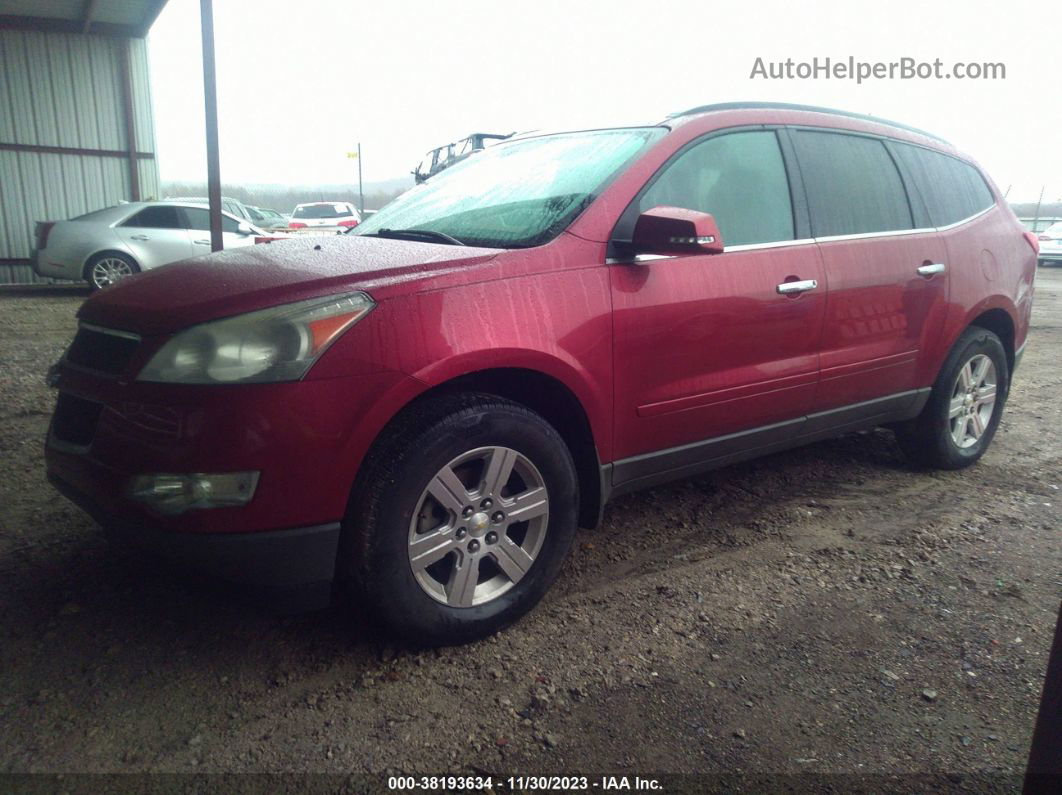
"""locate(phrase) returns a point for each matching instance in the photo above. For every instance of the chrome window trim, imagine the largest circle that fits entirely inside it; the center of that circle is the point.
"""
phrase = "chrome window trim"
(807, 240)
(113, 332)
(774, 244)
(862, 235)
(968, 219)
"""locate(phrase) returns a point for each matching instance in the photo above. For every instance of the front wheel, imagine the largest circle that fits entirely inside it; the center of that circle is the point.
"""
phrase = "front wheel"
(962, 415)
(462, 519)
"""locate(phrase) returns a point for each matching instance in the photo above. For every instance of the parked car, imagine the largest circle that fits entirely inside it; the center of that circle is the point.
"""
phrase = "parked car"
(105, 246)
(337, 216)
(1051, 245)
(442, 157)
(429, 406)
(232, 206)
(269, 219)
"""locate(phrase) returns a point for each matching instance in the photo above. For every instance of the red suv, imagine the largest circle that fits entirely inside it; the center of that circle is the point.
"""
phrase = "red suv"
(428, 406)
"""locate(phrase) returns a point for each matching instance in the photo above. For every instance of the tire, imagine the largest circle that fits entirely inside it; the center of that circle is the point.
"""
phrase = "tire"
(405, 552)
(932, 438)
(107, 268)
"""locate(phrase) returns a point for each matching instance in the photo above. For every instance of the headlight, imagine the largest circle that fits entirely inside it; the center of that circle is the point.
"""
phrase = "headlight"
(275, 344)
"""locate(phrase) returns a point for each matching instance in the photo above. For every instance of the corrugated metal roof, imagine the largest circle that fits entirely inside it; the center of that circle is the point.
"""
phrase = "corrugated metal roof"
(107, 17)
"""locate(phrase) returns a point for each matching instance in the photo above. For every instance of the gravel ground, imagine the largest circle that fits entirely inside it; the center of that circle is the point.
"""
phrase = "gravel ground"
(828, 610)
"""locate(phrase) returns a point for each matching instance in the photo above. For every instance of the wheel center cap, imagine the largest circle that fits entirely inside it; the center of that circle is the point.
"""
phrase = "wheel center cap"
(478, 523)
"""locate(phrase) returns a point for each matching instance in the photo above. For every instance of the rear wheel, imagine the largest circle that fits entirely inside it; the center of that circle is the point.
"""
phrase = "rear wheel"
(964, 410)
(462, 519)
(108, 268)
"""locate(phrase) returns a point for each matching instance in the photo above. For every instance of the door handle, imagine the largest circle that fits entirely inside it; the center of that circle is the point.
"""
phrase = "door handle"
(201, 242)
(791, 288)
(139, 237)
(931, 268)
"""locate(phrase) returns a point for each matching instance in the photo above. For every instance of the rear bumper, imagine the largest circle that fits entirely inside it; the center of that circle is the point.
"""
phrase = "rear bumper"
(297, 566)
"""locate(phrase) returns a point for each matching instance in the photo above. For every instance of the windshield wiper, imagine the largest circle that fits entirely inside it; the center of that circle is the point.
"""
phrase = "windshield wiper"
(417, 234)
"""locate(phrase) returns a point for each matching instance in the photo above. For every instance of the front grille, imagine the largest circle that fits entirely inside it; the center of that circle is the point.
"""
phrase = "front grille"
(75, 420)
(103, 351)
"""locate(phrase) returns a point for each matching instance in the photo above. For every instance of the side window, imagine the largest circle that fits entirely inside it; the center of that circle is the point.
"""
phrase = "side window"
(158, 217)
(198, 218)
(739, 178)
(853, 187)
(952, 189)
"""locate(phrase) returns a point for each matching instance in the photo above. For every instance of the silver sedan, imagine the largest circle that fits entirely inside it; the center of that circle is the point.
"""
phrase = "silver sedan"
(105, 246)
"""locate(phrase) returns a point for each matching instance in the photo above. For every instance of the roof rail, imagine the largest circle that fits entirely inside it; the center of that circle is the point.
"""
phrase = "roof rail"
(793, 106)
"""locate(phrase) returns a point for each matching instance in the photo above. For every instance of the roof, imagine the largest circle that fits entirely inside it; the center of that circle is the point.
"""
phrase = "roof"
(720, 106)
(129, 18)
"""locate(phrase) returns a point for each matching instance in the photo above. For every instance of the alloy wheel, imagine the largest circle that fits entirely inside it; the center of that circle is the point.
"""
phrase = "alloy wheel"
(973, 399)
(110, 270)
(478, 526)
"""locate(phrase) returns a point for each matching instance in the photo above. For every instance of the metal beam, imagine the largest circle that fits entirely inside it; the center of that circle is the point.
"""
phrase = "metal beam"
(210, 98)
(52, 25)
(125, 53)
(74, 150)
(88, 14)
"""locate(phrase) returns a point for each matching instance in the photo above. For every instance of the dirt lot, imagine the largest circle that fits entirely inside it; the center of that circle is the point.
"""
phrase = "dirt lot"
(827, 610)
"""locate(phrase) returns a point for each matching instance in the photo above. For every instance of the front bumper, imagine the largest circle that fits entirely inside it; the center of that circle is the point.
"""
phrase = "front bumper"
(295, 566)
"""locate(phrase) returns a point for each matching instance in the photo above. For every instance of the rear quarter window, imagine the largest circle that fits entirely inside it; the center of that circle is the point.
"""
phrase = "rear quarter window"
(853, 186)
(952, 189)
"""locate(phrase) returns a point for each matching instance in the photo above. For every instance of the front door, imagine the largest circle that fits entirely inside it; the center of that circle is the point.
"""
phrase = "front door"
(708, 345)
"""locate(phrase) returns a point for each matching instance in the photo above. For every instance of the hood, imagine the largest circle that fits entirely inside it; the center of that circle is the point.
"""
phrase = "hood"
(232, 282)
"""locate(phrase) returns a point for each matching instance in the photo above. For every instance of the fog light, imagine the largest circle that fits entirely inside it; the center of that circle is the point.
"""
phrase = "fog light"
(173, 494)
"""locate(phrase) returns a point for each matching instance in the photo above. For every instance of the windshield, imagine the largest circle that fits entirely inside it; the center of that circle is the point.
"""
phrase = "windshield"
(321, 211)
(517, 194)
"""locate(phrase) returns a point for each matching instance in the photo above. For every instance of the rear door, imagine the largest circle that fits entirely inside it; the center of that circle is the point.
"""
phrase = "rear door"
(705, 345)
(886, 274)
(156, 236)
(198, 222)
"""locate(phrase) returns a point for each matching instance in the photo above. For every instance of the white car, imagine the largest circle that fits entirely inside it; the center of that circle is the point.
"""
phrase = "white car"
(336, 216)
(1051, 245)
(105, 246)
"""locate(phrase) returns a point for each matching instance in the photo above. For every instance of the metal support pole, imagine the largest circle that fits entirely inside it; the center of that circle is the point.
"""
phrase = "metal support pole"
(124, 49)
(210, 97)
(361, 193)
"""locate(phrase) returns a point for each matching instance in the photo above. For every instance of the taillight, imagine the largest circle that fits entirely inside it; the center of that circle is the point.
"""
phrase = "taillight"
(351, 222)
(42, 231)
(1034, 242)
(296, 225)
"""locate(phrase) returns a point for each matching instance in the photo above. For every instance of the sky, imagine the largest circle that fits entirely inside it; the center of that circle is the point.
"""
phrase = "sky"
(301, 83)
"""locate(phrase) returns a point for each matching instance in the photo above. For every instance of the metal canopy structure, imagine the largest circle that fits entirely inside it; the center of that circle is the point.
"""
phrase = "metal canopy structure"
(119, 20)
(124, 18)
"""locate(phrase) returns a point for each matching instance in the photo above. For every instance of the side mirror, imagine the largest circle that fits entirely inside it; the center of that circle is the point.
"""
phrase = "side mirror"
(675, 230)
(244, 228)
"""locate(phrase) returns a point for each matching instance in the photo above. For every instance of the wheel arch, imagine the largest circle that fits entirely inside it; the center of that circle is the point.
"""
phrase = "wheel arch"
(91, 259)
(1000, 322)
(545, 394)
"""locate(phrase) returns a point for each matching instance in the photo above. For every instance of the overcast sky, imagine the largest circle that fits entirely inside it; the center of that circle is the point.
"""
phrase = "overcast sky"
(300, 83)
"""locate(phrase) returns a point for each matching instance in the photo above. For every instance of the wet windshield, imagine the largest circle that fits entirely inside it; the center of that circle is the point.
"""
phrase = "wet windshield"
(517, 194)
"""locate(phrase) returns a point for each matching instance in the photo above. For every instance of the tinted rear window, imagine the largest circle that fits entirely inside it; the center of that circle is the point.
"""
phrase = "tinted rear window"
(852, 184)
(322, 211)
(197, 218)
(953, 190)
(158, 217)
